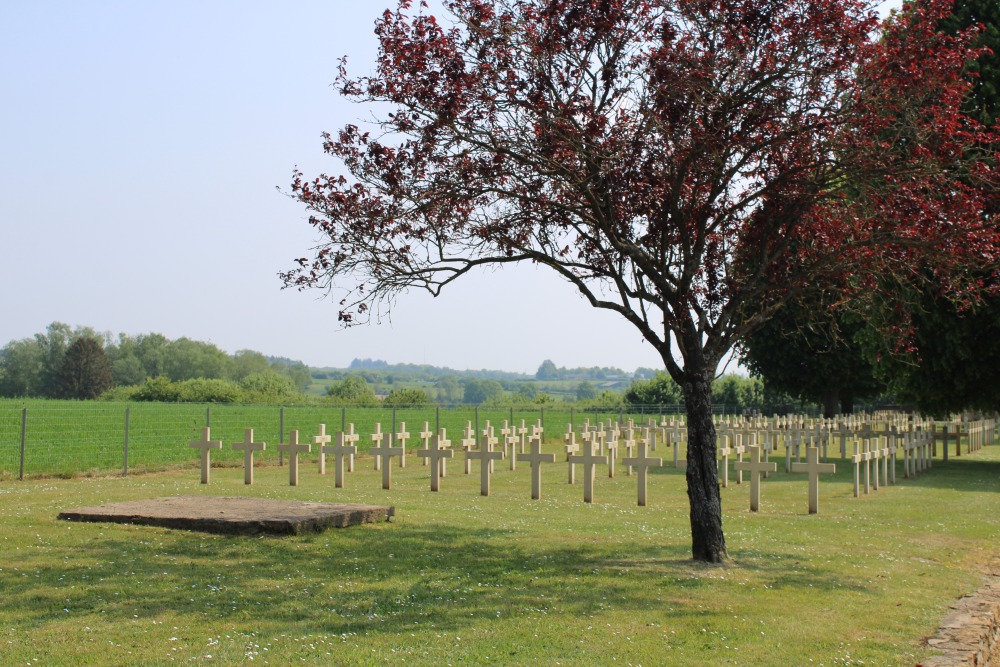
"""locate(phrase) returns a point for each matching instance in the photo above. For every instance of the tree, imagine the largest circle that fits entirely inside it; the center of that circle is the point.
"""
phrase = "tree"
(984, 102)
(585, 391)
(547, 371)
(951, 360)
(401, 398)
(127, 371)
(527, 391)
(85, 372)
(186, 359)
(21, 364)
(814, 353)
(477, 391)
(671, 160)
(660, 390)
(247, 363)
(352, 389)
(448, 389)
(268, 387)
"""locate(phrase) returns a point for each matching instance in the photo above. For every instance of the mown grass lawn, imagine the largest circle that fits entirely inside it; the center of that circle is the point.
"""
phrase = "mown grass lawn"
(461, 579)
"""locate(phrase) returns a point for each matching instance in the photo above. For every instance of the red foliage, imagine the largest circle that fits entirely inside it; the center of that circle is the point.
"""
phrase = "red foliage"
(674, 160)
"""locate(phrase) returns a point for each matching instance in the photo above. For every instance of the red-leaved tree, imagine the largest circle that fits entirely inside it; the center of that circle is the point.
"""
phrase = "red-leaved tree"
(672, 159)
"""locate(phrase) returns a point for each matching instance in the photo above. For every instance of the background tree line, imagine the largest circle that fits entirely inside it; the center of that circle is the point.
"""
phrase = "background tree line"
(79, 362)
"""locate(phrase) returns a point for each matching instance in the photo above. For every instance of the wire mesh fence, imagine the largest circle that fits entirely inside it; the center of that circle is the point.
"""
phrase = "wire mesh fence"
(47, 437)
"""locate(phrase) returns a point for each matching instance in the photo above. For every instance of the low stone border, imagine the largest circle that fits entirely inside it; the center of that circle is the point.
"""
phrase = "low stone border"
(968, 635)
(234, 516)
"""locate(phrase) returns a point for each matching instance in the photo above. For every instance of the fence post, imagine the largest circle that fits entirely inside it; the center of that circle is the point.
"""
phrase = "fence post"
(343, 418)
(125, 470)
(24, 432)
(437, 419)
(281, 435)
(208, 416)
(393, 436)
(477, 423)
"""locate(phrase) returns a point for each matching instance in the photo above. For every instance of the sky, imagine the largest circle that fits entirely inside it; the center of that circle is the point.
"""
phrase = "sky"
(145, 157)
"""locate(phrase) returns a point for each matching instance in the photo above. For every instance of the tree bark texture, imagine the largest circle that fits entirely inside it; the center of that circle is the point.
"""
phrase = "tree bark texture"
(708, 543)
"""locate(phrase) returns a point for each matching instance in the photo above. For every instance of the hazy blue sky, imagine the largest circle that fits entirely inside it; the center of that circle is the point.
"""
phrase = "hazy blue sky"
(141, 149)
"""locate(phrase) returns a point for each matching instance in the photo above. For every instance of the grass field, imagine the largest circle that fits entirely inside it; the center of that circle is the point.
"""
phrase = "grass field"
(461, 579)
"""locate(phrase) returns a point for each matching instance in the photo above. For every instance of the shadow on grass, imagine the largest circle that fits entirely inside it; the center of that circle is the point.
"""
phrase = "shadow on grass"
(388, 579)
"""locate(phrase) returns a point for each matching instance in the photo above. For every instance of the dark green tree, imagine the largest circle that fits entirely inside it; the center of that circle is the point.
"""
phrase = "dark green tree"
(984, 103)
(813, 353)
(85, 372)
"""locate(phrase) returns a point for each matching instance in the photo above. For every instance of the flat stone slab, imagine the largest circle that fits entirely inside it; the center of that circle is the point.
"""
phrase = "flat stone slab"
(234, 516)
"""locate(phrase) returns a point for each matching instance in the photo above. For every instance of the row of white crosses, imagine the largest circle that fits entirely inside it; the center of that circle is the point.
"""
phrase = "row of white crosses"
(736, 438)
(436, 451)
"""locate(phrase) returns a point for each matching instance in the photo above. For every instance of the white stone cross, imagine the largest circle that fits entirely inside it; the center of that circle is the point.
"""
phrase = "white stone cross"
(675, 441)
(320, 441)
(508, 442)
(815, 469)
(486, 456)
(488, 433)
(884, 455)
(351, 438)
(402, 436)
(725, 451)
(467, 442)
(206, 445)
(876, 458)
(293, 448)
(522, 432)
(572, 448)
(436, 454)
(340, 450)
(249, 447)
(755, 467)
(739, 449)
(386, 451)
(642, 463)
(536, 459)
(376, 439)
(856, 459)
(866, 456)
(612, 449)
(629, 444)
(589, 460)
(425, 437)
(442, 442)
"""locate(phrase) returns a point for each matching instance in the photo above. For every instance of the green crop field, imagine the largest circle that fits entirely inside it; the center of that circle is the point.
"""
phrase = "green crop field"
(461, 579)
(73, 437)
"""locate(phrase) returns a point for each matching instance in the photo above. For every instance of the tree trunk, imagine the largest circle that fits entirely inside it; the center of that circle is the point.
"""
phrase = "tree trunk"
(708, 544)
(847, 404)
(831, 403)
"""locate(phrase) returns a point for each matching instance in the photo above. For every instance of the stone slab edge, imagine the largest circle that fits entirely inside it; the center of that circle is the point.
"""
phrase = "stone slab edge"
(347, 515)
(968, 635)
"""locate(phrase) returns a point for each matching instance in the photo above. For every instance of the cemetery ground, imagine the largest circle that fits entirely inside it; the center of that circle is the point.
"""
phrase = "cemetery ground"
(458, 578)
